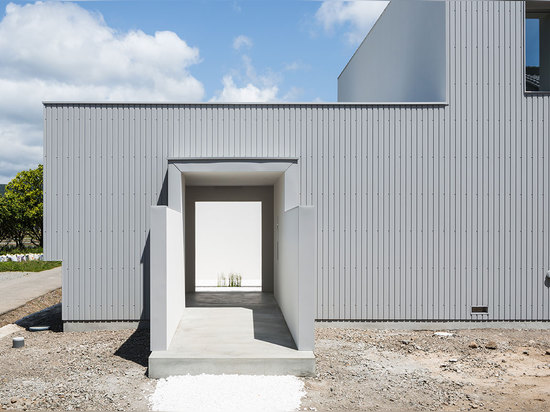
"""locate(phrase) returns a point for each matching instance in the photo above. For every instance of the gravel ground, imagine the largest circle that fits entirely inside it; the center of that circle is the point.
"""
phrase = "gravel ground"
(356, 370)
(417, 370)
(76, 371)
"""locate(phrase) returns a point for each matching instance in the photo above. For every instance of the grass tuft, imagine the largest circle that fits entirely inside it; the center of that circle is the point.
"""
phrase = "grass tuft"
(29, 266)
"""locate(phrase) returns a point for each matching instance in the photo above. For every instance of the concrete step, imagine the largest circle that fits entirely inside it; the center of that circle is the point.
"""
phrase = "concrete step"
(231, 333)
(167, 363)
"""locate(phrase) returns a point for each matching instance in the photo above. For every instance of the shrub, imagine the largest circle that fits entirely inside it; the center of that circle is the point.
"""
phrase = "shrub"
(21, 208)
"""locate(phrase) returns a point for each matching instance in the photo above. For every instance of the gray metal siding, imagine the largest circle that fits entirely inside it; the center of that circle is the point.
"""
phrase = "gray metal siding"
(496, 171)
(422, 211)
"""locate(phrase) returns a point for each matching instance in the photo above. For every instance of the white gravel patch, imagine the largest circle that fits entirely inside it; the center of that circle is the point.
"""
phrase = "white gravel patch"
(240, 393)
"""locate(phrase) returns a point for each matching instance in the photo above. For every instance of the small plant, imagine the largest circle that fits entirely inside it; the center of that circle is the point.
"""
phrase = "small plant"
(235, 280)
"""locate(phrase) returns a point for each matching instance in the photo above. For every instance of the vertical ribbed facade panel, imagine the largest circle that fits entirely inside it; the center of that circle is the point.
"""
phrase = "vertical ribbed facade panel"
(422, 211)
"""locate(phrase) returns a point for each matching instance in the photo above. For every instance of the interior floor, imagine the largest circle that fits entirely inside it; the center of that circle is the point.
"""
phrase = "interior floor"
(228, 289)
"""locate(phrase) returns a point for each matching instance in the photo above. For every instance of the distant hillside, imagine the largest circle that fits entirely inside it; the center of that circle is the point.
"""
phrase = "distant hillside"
(2, 189)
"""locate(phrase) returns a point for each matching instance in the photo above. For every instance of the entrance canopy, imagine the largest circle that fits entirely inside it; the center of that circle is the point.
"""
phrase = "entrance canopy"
(288, 239)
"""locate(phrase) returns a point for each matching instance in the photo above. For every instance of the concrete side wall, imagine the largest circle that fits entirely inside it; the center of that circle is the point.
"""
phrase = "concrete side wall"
(167, 275)
(286, 196)
(402, 59)
(295, 284)
(306, 278)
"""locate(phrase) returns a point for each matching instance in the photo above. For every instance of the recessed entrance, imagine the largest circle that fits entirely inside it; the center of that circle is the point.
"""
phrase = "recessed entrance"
(265, 332)
(229, 230)
(228, 246)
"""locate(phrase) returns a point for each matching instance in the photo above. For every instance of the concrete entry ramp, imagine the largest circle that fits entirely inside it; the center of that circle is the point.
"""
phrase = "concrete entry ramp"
(231, 333)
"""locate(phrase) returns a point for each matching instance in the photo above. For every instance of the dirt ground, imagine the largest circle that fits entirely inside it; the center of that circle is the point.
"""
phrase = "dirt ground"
(75, 371)
(356, 370)
(491, 370)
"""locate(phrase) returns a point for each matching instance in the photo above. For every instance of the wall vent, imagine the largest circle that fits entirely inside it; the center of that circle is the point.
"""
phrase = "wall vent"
(480, 309)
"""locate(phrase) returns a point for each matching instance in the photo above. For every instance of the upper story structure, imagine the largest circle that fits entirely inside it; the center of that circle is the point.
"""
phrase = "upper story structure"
(437, 51)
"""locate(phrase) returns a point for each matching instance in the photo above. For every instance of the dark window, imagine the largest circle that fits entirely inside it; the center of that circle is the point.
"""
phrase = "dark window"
(537, 46)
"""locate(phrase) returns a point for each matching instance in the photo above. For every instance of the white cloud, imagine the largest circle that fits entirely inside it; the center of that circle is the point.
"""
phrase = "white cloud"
(359, 16)
(256, 87)
(60, 51)
(20, 150)
(293, 94)
(242, 41)
(248, 93)
(295, 66)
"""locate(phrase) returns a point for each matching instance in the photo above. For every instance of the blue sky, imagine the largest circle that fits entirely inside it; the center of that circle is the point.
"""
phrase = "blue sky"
(283, 33)
(166, 50)
(532, 42)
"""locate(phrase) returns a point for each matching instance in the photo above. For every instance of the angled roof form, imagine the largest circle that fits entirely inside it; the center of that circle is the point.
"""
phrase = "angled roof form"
(402, 59)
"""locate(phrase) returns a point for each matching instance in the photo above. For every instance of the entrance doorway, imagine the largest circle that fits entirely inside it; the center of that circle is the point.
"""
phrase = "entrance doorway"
(229, 231)
(288, 282)
(228, 246)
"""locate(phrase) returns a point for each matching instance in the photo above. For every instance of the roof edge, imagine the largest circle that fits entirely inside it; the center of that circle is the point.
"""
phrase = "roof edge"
(130, 103)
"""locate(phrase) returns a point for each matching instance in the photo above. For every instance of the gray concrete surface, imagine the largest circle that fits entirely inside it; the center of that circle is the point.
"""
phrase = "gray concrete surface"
(4, 276)
(232, 333)
(18, 289)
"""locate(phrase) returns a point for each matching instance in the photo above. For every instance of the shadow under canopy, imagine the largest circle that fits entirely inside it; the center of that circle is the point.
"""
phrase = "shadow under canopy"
(267, 320)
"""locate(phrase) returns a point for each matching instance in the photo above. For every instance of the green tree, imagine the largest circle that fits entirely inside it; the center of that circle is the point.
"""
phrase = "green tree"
(21, 207)
(4, 222)
(12, 226)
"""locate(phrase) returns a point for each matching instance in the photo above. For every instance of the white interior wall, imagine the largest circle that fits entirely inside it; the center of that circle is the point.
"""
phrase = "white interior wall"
(278, 209)
(228, 239)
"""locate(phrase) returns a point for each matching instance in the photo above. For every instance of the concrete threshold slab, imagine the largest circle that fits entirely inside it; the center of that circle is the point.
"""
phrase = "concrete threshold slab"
(232, 333)
(166, 363)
